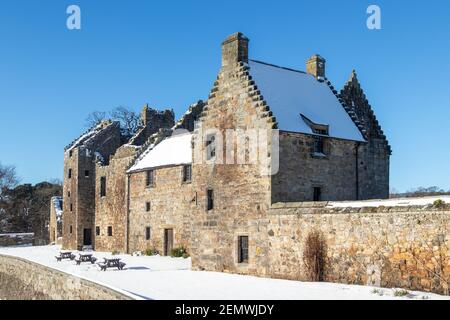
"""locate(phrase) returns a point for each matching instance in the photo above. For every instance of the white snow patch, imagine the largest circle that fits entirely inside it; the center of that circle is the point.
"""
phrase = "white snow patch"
(291, 93)
(400, 202)
(166, 278)
(174, 150)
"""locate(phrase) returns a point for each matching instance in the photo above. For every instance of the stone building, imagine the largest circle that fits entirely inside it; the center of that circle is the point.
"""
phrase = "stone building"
(55, 225)
(196, 183)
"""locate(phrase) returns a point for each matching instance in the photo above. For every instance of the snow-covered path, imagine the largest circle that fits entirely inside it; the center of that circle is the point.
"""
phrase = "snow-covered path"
(166, 278)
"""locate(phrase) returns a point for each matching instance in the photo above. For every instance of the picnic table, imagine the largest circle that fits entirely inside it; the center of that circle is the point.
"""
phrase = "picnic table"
(111, 263)
(65, 255)
(83, 257)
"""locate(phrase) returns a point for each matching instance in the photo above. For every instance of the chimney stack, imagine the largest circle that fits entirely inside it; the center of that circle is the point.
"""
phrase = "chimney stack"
(316, 67)
(234, 49)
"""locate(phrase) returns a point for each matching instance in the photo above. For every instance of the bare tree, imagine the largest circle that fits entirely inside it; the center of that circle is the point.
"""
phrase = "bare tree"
(95, 118)
(129, 120)
(8, 178)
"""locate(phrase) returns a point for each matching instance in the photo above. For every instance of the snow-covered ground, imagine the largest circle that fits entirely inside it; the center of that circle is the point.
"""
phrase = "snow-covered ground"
(166, 278)
(401, 202)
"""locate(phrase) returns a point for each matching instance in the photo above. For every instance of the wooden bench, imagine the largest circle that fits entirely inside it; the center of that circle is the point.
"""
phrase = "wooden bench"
(111, 263)
(65, 255)
(85, 258)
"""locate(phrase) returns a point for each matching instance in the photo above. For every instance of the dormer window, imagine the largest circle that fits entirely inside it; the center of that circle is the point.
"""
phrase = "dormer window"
(316, 128)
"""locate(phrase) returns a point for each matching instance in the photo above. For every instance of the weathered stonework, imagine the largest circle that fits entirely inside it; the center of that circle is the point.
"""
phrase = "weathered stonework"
(24, 280)
(407, 247)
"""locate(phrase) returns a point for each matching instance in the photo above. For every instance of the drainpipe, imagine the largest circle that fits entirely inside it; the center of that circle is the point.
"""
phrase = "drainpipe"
(357, 169)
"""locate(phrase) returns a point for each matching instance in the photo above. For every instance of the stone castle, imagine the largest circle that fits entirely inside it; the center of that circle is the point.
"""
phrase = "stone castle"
(151, 192)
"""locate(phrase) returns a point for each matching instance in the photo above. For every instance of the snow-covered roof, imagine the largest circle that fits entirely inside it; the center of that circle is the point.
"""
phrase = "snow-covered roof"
(57, 203)
(174, 150)
(290, 94)
(88, 135)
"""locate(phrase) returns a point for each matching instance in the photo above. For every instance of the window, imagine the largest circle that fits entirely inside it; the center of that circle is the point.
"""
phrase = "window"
(150, 181)
(103, 187)
(70, 229)
(69, 175)
(110, 233)
(68, 194)
(243, 249)
(148, 206)
(210, 199)
(71, 207)
(97, 231)
(318, 145)
(86, 173)
(317, 194)
(210, 147)
(147, 233)
(187, 173)
(70, 153)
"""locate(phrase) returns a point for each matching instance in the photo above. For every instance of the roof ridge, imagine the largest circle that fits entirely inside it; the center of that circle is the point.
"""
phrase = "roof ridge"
(276, 66)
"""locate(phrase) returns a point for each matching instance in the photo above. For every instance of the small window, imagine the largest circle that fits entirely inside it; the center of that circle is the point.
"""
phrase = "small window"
(210, 147)
(69, 175)
(210, 199)
(317, 194)
(97, 231)
(86, 173)
(110, 231)
(150, 180)
(103, 187)
(68, 194)
(187, 173)
(147, 233)
(243, 249)
(148, 206)
(70, 229)
(70, 153)
(318, 145)
(71, 207)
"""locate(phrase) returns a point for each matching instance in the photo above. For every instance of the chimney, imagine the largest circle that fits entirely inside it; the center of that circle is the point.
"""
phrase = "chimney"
(234, 49)
(316, 66)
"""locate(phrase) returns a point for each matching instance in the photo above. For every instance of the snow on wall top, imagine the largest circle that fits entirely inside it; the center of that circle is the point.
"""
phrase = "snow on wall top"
(400, 202)
(290, 93)
(174, 150)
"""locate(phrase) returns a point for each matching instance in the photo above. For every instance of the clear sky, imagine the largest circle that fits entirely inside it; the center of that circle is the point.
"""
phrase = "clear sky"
(167, 53)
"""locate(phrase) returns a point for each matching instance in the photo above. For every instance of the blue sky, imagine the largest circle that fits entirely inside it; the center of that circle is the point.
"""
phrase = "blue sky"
(167, 53)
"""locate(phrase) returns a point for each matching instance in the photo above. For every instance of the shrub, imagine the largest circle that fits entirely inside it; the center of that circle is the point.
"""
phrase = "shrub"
(314, 256)
(438, 203)
(400, 293)
(179, 252)
(115, 253)
(151, 252)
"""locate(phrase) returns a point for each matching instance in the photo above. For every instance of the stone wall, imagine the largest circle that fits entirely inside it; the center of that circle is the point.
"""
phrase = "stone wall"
(110, 211)
(171, 205)
(300, 171)
(16, 239)
(24, 280)
(406, 247)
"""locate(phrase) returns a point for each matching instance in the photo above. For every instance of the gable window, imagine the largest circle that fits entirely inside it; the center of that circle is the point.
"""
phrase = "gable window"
(210, 147)
(103, 187)
(317, 196)
(187, 173)
(147, 233)
(97, 231)
(69, 175)
(243, 249)
(110, 231)
(86, 173)
(148, 206)
(210, 199)
(150, 179)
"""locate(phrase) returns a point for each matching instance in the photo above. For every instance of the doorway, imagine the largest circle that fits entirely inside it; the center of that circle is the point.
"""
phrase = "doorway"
(87, 237)
(168, 241)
